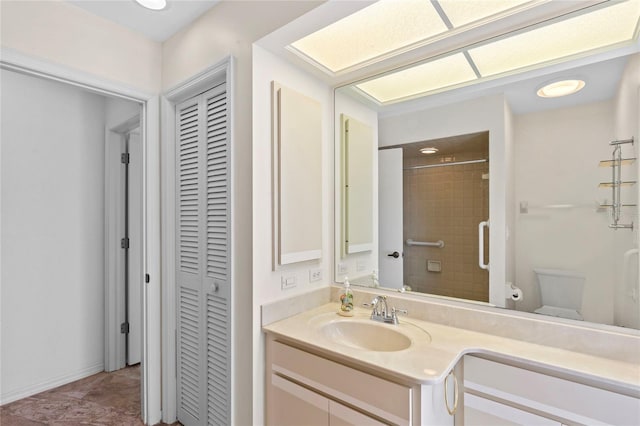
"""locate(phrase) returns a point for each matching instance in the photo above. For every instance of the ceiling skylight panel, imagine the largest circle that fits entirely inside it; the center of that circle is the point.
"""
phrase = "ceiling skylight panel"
(583, 33)
(376, 30)
(428, 77)
(465, 12)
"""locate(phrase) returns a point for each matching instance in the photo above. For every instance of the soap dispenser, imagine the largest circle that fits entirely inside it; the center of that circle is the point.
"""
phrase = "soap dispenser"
(346, 300)
(374, 279)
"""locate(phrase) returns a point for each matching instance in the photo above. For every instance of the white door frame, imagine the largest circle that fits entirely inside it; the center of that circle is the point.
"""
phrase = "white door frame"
(390, 220)
(114, 348)
(151, 366)
(221, 71)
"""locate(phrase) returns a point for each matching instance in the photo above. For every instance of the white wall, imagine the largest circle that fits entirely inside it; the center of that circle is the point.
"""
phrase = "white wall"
(626, 125)
(266, 282)
(67, 35)
(52, 234)
(477, 115)
(556, 162)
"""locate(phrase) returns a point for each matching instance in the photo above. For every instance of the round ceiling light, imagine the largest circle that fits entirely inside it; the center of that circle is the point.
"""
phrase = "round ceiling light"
(429, 150)
(153, 4)
(560, 88)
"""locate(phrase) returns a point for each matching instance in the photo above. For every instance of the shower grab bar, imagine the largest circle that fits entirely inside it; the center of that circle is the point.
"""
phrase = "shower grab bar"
(481, 227)
(439, 243)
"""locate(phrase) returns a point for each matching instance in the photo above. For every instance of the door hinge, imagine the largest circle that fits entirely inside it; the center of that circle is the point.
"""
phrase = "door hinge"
(124, 243)
(124, 158)
(124, 328)
(147, 278)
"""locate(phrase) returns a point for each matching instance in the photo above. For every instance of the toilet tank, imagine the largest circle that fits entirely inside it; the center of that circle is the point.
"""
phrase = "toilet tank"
(561, 288)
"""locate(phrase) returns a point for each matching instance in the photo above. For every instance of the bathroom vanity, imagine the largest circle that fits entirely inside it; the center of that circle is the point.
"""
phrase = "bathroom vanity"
(310, 383)
(322, 368)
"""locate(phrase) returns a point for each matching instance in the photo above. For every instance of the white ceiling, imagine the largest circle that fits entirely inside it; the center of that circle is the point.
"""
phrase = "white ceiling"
(156, 25)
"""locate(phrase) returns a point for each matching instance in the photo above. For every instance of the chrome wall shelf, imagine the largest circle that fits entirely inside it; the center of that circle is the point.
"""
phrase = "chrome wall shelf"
(616, 183)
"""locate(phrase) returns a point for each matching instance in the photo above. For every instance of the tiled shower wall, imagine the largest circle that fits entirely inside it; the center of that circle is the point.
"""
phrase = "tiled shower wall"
(447, 203)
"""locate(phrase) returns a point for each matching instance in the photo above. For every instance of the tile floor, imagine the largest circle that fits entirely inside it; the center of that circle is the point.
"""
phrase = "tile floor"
(101, 399)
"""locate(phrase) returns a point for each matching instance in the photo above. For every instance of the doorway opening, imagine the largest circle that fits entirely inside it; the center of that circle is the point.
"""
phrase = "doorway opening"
(124, 280)
(55, 219)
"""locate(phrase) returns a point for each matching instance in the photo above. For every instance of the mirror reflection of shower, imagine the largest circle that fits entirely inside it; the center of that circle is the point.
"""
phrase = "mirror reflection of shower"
(445, 197)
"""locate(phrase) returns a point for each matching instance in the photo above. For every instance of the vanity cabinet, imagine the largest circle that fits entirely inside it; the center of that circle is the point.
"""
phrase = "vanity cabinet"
(500, 394)
(306, 388)
(294, 405)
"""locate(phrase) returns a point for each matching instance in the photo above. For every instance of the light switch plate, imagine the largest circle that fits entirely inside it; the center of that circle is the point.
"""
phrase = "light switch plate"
(288, 281)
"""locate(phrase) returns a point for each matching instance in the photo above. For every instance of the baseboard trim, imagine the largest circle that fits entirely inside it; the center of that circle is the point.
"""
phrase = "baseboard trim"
(49, 384)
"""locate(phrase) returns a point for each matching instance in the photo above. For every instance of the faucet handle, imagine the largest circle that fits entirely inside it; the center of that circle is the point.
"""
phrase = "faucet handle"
(371, 304)
(395, 312)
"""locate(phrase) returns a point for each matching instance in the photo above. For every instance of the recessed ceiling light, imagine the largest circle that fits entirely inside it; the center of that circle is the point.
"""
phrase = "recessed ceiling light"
(429, 150)
(153, 4)
(560, 88)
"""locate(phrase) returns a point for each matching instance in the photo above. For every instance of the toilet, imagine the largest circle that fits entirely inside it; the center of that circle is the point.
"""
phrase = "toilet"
(561, 292)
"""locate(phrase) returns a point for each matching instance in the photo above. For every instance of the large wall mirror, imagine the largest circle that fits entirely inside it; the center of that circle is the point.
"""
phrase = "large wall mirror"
(494, 194)
(526, 204)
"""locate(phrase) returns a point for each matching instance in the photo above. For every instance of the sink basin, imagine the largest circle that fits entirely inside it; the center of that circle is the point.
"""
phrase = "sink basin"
(366, 336)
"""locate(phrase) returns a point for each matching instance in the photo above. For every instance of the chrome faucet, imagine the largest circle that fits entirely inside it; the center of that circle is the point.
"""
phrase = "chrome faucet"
(380, 310)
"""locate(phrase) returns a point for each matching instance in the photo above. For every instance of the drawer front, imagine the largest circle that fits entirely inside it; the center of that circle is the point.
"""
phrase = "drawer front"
(293, 405)
(560, 398)
(480, 411)
(372, 394)
(340, 415)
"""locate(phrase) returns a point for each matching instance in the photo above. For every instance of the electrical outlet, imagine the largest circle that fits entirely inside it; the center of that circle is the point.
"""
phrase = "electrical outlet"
(288, 281)
(342, 268)
(360, 265)
(315, 275)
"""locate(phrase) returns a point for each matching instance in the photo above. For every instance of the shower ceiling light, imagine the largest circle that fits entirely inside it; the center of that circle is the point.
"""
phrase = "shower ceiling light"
(429, 150)
(560, 88)
(153, 4)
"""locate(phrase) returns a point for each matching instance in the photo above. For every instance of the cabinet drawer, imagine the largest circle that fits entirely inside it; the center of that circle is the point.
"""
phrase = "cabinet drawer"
(374, 395)
(293, 405)
(480, 411)
(559, 398)
(340, 415)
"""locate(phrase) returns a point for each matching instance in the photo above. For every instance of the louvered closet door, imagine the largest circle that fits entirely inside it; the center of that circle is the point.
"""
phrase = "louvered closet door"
(203, 260)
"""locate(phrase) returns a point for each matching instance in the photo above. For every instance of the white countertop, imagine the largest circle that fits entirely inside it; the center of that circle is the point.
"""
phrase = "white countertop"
(436, 348)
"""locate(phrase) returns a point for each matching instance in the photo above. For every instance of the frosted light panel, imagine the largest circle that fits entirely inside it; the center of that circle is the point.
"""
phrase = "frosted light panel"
(602, 28)
(421, 79)
(465, 12)
(383, 27)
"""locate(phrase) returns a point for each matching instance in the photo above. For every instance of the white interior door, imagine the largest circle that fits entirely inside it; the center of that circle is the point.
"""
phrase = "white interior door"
(134, 337)
(203, 264)
(391, 246)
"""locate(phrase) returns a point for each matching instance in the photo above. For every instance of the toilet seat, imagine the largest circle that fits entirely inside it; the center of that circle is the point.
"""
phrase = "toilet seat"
(555, 311)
